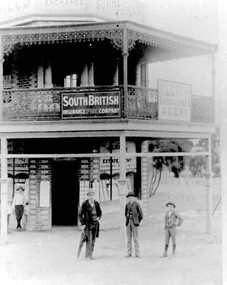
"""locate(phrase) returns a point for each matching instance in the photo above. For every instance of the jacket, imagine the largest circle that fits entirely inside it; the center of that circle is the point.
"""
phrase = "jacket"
(85, 213)
(137, 214)
(172, 219)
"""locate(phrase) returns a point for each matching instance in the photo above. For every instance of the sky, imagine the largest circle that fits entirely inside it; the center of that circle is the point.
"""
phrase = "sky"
(192, 18)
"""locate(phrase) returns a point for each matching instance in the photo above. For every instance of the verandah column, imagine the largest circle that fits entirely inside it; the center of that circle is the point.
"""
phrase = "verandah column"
(125, 70)
(144, 180)
(91, 73)
(40, 75)
(116, 74)
(3, 150)
(122, 183)
(209, 189)
(138, 74)
(48, 75)
(4, 190)
(84, 76)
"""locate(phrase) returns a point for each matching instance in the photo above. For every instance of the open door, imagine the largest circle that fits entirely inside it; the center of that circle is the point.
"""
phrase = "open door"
(65, 193)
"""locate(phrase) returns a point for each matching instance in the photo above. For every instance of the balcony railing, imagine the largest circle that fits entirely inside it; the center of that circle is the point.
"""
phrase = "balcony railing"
(140, 103)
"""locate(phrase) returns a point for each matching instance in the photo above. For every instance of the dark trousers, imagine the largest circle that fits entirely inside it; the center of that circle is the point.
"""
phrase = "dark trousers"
(91, 233)
(19, 210)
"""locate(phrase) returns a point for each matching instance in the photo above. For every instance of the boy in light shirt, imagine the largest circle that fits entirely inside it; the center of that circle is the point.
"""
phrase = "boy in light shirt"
(18, 205)
(172, 220)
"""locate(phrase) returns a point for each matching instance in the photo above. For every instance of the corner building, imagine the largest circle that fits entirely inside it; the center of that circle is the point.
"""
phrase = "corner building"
(77, 107)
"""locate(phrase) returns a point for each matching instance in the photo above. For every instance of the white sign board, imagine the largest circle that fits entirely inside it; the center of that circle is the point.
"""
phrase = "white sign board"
(174, 101)
(105, 164)
(45, 193)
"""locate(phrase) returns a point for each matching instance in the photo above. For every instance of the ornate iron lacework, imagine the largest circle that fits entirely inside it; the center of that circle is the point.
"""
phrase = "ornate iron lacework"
(142, 103)
(40, 104)
(31, 105)
(166, 44)
(115, 35)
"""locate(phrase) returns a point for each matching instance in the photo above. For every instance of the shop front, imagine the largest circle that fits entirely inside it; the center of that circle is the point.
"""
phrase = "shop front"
(56, 182)
(78, 110)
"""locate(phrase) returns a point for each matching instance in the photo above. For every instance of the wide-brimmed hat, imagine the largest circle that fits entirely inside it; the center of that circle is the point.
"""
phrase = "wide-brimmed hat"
(130, 194)
(90, 191)
(170, 203)
(20, 187)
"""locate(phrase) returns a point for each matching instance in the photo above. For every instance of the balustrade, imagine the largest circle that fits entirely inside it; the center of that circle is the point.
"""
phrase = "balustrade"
(140, 103)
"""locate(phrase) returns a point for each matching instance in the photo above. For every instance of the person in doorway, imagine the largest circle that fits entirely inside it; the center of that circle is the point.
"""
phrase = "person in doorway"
(172, 220)
(134, 215)
(18, 205)
(89, 216)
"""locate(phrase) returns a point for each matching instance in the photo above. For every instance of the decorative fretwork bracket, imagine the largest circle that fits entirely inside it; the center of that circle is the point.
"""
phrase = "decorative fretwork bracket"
(115, 35)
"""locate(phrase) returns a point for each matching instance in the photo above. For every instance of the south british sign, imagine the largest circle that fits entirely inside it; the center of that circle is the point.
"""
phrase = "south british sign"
(90, 105)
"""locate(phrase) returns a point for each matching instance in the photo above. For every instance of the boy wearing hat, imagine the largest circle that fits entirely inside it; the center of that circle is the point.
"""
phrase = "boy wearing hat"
(134, 215)
(89, 215)
(172, 220)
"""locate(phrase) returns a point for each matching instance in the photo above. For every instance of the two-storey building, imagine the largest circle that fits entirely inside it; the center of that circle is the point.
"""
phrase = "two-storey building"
(77, 109)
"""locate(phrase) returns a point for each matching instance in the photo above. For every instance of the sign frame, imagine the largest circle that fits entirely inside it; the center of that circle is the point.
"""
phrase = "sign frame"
(88, 93)
(190, 99)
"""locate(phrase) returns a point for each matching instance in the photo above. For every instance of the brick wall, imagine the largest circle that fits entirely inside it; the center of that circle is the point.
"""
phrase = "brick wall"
(39, 218)
(21, 81)
(25, 81)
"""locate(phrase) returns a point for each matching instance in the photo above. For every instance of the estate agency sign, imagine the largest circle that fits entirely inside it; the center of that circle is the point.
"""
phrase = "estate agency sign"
(105, 164)
(90, 105)
(174, 101)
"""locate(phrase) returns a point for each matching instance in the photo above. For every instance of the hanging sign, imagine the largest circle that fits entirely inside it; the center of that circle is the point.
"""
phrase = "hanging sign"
(174, 101)
(90, 104)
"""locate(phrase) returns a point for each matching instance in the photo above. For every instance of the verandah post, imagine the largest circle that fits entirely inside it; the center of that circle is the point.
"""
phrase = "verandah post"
(4, 190)
(209, 188)
(122, 184)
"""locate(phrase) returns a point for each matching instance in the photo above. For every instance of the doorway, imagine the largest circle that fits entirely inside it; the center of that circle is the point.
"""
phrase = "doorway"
(65, 193)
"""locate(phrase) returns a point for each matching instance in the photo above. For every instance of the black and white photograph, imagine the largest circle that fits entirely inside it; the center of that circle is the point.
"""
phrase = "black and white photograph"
(113, 142)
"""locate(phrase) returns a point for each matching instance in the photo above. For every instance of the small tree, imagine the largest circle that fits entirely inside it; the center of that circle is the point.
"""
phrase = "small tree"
(197, 164)
(175, 164)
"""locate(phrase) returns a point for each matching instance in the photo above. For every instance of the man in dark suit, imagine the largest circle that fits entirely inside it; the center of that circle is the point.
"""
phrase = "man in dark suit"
(89, 216)
(134, 215)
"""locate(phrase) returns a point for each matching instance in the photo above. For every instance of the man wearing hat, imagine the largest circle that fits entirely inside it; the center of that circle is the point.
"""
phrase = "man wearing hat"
(89, 216)
(134, 215)
(172, 220)
(18, 205)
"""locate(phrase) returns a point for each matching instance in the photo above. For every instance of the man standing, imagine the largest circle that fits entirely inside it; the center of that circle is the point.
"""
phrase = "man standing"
(172, 220)
(18, 205)
(134, 215)
(89, 215)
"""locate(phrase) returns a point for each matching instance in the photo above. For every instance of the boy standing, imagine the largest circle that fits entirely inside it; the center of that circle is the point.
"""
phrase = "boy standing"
(172, 220)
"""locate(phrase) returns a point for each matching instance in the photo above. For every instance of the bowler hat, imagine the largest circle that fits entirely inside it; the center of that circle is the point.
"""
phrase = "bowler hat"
(130, 194)
(20, 187)
(171, 203)
(90, 191)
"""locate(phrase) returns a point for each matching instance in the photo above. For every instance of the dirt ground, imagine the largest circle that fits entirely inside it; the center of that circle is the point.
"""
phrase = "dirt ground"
(47, 258)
